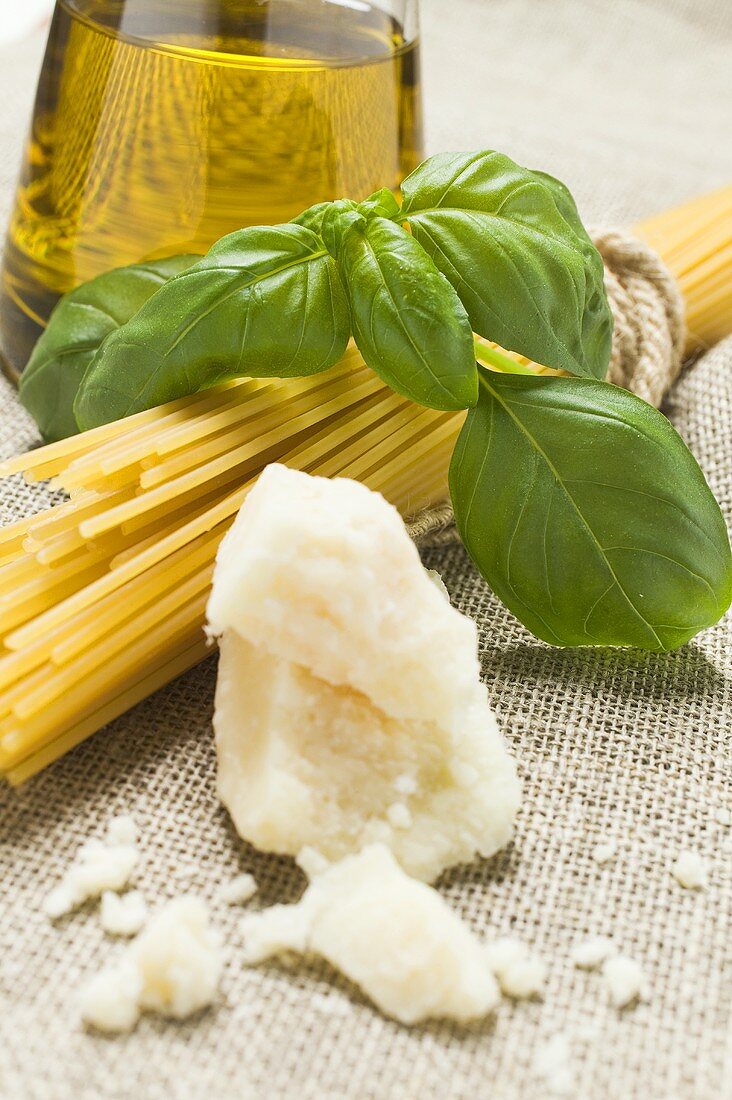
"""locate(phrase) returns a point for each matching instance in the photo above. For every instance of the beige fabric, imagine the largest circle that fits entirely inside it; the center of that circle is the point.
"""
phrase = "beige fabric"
(630, 748)
(625, 101)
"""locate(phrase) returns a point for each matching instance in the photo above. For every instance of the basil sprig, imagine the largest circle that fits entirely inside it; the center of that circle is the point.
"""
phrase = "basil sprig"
(479, 243)
(578, 502)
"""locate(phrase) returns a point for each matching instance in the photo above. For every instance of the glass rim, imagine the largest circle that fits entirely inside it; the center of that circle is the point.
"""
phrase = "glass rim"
(250, 61)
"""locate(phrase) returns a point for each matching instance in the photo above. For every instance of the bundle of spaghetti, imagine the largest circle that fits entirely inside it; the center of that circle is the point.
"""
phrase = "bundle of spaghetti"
(102, 598)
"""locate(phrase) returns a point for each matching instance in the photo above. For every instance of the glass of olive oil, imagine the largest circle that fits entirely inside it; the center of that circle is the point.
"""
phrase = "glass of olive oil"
(160, 125)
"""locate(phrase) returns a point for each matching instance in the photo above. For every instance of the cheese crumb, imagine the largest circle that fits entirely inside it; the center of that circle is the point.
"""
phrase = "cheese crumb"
(553, 1066)
(624, 979)
(179, 957)
(690, 871)
(110, 1001)
(239, 890)
(521, 974)
(122, 830)
(590, 953)
(393, 936)
(123, 914)
(173, 967)
(98, 867)
(603, 853)
(342, 669)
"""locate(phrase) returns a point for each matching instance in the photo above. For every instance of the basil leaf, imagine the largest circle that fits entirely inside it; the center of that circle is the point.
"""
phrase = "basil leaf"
(512, 244)
(264, 301)
(587, 514)
(407, 320)
(76, 328)
(312, 218)
(382, 204)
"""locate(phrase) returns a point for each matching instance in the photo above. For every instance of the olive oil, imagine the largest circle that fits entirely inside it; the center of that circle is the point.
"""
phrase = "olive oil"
(160, 125)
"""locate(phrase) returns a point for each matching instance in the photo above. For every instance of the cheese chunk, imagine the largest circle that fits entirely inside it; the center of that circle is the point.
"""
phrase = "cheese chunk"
(179, 958)
(349, 708)
(322, 572)
(239, 890)
(110, 1001)
(394, 937)
(122, 830)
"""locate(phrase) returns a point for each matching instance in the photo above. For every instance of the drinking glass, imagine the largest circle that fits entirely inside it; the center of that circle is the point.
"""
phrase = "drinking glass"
(160, 125)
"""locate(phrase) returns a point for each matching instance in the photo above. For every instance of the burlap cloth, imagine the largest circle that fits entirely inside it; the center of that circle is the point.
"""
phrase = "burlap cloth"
(628, 748)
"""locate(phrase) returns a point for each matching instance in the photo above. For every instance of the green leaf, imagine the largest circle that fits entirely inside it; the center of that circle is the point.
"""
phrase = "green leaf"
(587, 514)
(407, 320)
(78, 325)
(512, 244)
(382, 204)
(265, 301)
(312, 218)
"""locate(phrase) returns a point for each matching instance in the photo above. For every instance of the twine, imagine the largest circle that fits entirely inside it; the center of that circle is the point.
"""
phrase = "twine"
(648, 342)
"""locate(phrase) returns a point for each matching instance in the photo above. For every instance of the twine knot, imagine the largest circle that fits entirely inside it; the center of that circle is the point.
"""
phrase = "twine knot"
(649, 334)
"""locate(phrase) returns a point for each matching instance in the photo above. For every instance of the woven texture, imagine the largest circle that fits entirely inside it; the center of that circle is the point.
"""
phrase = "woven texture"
(624, 747)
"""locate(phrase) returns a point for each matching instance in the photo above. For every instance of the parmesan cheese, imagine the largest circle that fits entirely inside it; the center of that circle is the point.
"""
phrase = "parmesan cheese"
(173, 967)
(690, 871)
(122, 830)
(603, 853)
(179, 958)
(110, 1001)
(393, 936)
(239, 890)
(349, 708)
(624, 979)
(552, 1064)
(98, 867)
(521, 973)
(590, 953)
(122, 914)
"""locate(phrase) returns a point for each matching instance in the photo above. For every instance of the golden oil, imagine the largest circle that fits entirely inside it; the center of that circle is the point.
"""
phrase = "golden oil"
(160, 125)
